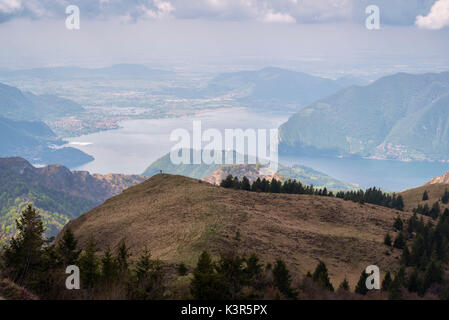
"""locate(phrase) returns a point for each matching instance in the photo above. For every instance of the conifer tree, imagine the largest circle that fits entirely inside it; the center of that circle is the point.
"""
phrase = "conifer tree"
(67, 248)
(283, 279)
(245, 184)
(413, 283)
(398, 224)
(435, 211)
(445, 197)
(206, 284)
(109, 268)
(321, 277)
(149, 277)
(361, 288)
(386, 282)
(23, 256)
(425, 196)
(122, 259)
(344, 285)
(387, 240)
(399, 242)
(88, 263)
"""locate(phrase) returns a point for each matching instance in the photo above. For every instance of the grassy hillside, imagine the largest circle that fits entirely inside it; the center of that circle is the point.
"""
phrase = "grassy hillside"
(402, 116)
(413, 197)
(178, 217)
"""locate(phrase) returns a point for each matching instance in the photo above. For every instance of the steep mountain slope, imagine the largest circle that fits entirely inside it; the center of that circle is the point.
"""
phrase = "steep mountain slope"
(177, 217)
(213, 173)
(19, 105)
(36, 142)
(59, 193)
(401, 117)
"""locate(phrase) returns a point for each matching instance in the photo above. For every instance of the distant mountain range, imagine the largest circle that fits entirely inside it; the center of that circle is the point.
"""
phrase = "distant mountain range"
(19, 105)
(403, 117)
(214, 173)
(58, 193)
(271, 89)
(36, 142)
(23, 134)
(115, 71)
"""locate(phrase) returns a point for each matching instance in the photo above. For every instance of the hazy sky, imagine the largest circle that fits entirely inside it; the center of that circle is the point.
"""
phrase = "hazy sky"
(321, 36)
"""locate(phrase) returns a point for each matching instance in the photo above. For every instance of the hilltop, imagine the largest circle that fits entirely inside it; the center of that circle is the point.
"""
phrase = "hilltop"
(178, 217)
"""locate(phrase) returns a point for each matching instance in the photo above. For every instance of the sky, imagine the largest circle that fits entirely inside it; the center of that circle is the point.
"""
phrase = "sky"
(317, 36)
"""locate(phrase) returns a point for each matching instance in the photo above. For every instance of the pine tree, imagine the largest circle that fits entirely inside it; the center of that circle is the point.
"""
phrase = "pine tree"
(398, 224)
(395, 290)
(399, 242)
(283, 279)
(344, 285)
(445, 197)
(399, 205)
(320, 276)
(361, 288)
(23, 256)
(122, 258)
(206, 284)
(405, 258)
(88, 263)
(386, 282)
(387, 240)
(67, 248)
(149, 278)
(425, 196)
(435, 211)
(245, 184)
(413, 284)
(228, 182)
(109, 268)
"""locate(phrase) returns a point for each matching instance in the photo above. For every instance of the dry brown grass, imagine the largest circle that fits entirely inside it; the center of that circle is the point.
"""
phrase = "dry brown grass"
(178, 217)
(413, 197)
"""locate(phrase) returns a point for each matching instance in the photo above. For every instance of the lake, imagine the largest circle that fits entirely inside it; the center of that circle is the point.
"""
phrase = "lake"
(138, 143)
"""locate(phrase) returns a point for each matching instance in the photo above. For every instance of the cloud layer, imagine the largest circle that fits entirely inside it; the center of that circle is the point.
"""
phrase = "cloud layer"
(437, 18)
(395, 12)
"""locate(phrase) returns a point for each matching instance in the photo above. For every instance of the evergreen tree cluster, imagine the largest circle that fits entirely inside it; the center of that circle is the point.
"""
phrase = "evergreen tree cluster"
(374, 196)
(371, 195)
(272, 186)
(433, 212)
(425, 253)
(31, 261)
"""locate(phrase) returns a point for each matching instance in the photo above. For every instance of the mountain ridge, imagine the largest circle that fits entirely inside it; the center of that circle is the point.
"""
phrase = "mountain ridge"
(57, 192)
(396, 117)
